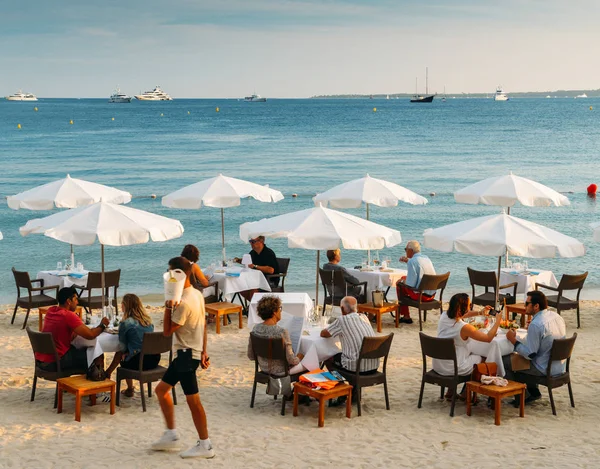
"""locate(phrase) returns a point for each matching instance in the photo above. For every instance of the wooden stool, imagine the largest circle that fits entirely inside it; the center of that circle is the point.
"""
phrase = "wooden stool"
(518, 308)
(378, 311)
(80, 386)
(223, 309)
(497, 393)
(323, 395)
(44, 309)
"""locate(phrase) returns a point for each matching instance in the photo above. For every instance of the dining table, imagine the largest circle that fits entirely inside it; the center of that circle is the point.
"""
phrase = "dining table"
(234, 279)
(63, 278)
(378, 278)
(497, 348)
(526, 279)
(317, 349)
(106, 342)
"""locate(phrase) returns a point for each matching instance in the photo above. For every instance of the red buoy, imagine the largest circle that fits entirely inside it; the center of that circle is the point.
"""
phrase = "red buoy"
(592, 189)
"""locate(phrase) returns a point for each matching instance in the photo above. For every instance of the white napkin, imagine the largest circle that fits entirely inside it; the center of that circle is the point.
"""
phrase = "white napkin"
(495, 380)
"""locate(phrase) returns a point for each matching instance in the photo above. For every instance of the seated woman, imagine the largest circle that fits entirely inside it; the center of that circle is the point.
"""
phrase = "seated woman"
(135, 323)
(269, 309)
(466, 337)
(198, 279)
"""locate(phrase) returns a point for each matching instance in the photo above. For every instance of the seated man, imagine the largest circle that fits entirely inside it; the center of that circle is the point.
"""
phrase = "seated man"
(417, 265)
(335, 256)
(263, 259)
(62, 322)
(351, 327)
(544, 328)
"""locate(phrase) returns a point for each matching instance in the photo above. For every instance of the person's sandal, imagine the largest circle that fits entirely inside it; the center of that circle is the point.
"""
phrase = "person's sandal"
(128, 392)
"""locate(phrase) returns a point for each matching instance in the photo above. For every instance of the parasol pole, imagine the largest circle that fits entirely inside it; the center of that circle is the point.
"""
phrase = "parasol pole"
(103, 279)
(223, 235)
(506, 257)
(317, 281)
(498, 281)
(368, 250)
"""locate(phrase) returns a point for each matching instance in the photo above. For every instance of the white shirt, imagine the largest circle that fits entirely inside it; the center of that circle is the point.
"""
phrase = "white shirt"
(190, 315)
(352, 328)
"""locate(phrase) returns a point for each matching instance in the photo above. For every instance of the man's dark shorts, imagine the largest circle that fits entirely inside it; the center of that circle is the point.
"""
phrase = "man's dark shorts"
(74, 360)
(183, 370)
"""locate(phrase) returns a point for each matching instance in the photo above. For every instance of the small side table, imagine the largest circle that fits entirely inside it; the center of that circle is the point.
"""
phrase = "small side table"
(378, 311)
(44, 309)
(322, 396)
(222, 309)
(497, 393)
(518, 308)
(80, 386)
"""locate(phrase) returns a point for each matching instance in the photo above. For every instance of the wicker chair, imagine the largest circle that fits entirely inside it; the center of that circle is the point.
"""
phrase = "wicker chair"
(30, 301)
(560, 302)
(428, 282)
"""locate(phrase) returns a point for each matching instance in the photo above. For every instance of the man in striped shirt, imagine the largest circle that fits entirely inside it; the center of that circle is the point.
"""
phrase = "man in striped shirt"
(352, 327)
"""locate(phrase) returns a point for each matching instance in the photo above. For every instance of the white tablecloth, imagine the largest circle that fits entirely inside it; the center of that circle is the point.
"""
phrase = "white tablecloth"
(105, 342)
(51, 277)
(325, 348)
(498, 347)
(248, 280)
(378, 279)
(296, 304)
(527, 280)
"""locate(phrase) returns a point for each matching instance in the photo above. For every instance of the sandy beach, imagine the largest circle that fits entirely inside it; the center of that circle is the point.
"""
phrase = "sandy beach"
(32, 434)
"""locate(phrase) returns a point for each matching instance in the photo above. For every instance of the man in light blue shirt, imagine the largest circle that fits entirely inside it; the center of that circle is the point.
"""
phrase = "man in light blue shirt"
(544, 328)
(417, 265)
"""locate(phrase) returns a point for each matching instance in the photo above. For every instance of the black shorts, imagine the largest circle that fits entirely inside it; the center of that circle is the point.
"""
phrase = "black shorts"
(150, 362)
(183, 370)
(73, 360)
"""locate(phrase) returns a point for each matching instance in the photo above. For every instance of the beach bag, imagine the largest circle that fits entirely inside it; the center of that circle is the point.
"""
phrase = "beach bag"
(278, 386)
(95, 373)
(485, 368)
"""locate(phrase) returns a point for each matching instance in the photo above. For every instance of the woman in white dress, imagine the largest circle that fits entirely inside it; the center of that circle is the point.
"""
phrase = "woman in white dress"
(471, 344)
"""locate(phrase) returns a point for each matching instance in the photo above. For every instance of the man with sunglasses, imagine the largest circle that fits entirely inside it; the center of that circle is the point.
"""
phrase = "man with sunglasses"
(263, 259)
(544, 328)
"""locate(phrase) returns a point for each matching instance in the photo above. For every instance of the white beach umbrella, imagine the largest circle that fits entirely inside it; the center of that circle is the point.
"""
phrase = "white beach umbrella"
(497, 235)
(1, 235)
(507, 190)
(220, 192)
(322, 228)
(110, 224)
(66, 193)
(596, 227)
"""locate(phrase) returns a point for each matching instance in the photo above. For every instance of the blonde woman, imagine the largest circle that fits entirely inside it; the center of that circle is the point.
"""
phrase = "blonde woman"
(135, 323)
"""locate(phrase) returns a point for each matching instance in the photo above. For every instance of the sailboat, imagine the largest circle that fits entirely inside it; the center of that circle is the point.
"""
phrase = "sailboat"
(444, 97)
(426, 98)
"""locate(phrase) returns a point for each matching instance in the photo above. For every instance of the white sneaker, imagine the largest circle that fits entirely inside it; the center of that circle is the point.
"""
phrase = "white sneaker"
(199, 451)
(167, 442)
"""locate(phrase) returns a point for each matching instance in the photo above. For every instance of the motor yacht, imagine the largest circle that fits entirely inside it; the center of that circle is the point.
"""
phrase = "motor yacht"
(155, 95)
(118, 97)
(20, 96)
(255, 98)
(500, 94)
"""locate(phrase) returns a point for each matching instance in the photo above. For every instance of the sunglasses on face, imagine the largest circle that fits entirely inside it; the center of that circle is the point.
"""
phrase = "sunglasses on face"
(252, 241)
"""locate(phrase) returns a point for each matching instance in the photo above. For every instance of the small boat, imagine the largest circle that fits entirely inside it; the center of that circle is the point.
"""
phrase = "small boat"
(20, 96)
(155, 95)
(500, 94)
(118, 97)
(255, 98)
(444, 97)
(583, 95)
(426, 98)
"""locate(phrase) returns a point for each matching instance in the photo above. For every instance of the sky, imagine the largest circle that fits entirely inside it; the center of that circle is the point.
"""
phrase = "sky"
(296, 48)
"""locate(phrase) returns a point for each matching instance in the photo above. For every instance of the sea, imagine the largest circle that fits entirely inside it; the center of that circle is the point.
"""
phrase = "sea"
(302, 147)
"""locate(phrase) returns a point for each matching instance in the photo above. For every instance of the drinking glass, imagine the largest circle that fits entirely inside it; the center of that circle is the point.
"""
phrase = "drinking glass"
(525, 266)
(79, 267)
(59, 266)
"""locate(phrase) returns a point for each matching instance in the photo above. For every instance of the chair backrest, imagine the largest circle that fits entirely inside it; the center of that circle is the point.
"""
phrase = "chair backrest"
(562, 348)
(483, 278)
(111, 279)
(434, 282)
(155, 343)
(284, 264)
(434, 347)
(269, 349)
(22, 279)
(572, 282)
(332, 280)
(42, 342)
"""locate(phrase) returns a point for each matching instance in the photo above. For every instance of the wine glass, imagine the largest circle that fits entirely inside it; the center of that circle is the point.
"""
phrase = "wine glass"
(59, 266)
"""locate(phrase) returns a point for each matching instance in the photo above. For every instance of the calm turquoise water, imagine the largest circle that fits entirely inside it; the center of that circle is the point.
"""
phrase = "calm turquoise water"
(296, 146)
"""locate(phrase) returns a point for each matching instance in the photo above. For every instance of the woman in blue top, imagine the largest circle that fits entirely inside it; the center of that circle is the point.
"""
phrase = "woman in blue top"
(135, 323)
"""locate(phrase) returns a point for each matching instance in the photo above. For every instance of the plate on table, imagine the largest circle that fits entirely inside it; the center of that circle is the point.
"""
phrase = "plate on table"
(219, 271)
(366, 269)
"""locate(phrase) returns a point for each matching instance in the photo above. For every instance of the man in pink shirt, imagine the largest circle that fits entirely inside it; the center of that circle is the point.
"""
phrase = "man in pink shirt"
(62, 322)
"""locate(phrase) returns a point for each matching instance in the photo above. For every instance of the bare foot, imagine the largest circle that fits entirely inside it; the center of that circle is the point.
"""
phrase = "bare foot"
(127, 392)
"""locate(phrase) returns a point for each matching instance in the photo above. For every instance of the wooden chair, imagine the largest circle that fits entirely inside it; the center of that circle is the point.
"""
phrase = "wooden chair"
(488, 280)
(440, 349)
(561, 350)
(336, 288)
(153, 343)
(428, 282)
(560, 302)
(30, 302)
(42, 342)
(284, 264)
(371, 348)
(94, 281)
(273, 350)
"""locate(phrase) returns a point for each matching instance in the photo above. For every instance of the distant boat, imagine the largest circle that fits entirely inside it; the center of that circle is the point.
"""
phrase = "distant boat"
(500, 94)
(118, 97)
(426, 98)
(548, 96)
(387, 96)
(444, 98)
(255, 98)
(20, 96)
(583, 95)
(155, 95)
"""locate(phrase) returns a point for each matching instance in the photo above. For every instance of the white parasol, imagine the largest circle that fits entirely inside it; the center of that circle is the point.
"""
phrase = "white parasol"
(221, 192)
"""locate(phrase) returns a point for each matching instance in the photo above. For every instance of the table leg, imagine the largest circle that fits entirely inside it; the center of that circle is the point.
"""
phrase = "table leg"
(78, 406)
(468, 400)
(240, 319)
(522, 404)
(93, 399)
(295, 402)
(60, 397)
(112, 399)
(379, 321)
(321, 412)
(225, 317)
(349, 404)
(498, 402)
(218, 323)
